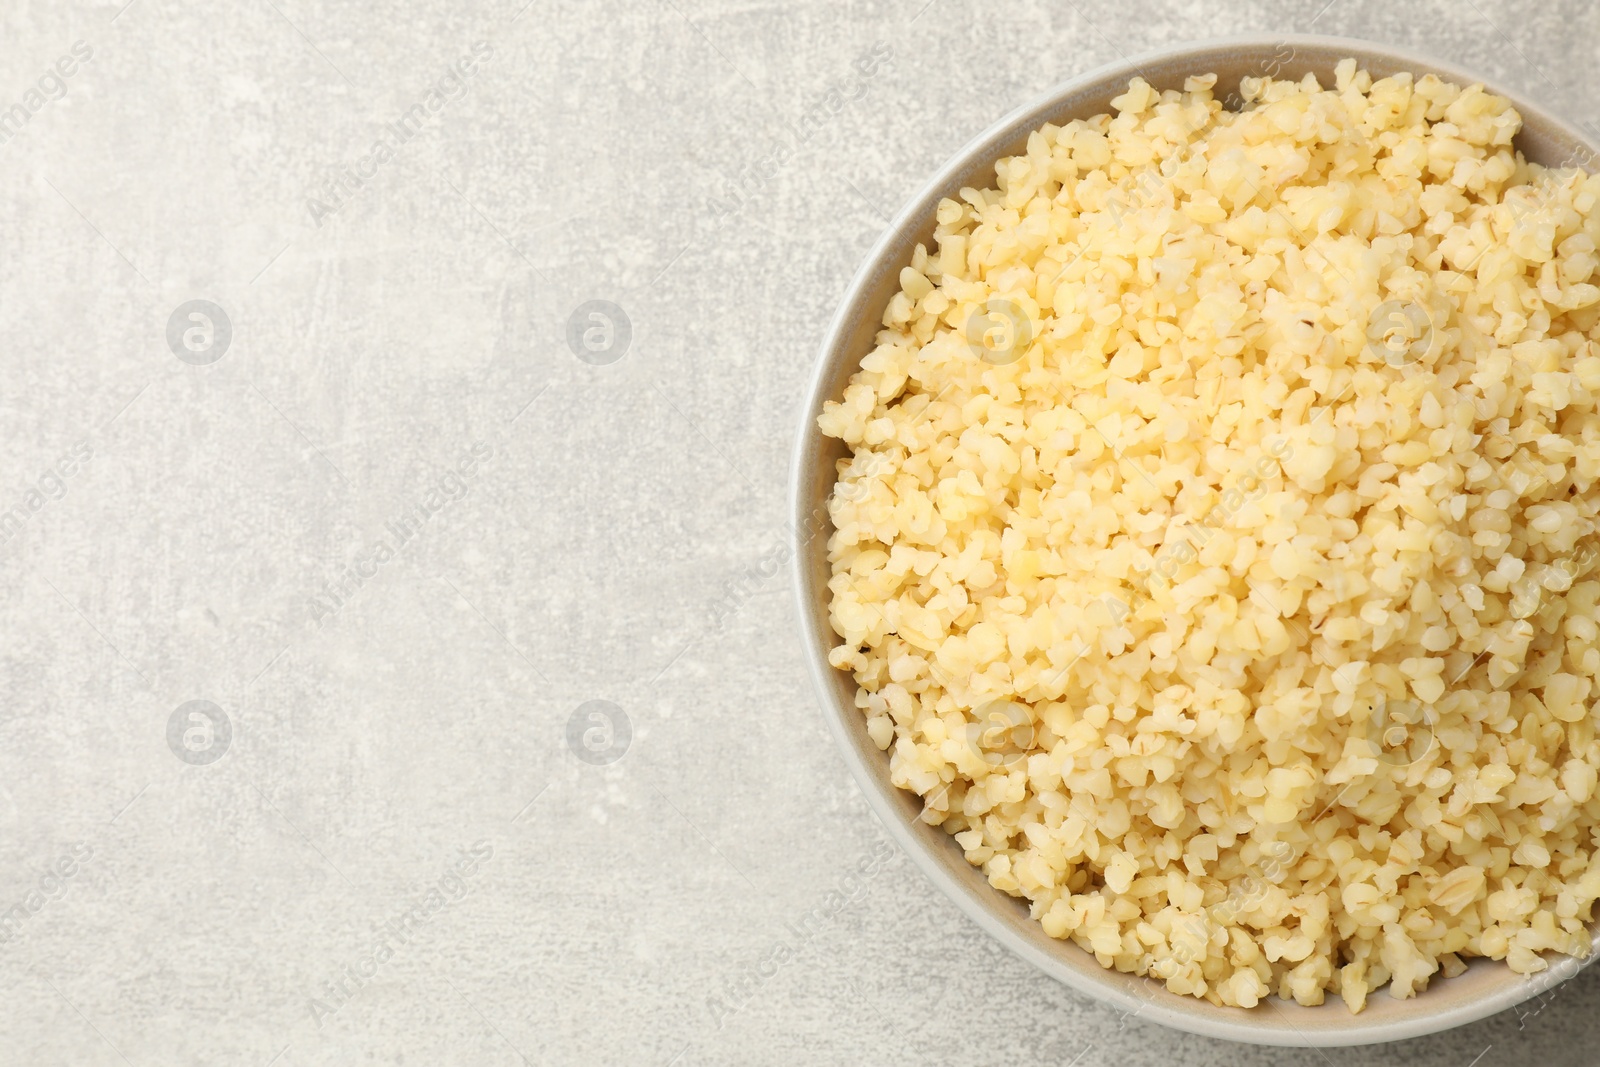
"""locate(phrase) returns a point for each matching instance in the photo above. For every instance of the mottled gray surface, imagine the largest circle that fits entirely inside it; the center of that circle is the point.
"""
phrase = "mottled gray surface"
(646, 910)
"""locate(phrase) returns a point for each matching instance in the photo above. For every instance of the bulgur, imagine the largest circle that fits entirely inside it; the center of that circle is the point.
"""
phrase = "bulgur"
(1217, 557)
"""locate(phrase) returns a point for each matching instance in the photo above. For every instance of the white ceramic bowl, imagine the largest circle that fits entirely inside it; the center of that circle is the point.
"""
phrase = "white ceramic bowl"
(1486, 987)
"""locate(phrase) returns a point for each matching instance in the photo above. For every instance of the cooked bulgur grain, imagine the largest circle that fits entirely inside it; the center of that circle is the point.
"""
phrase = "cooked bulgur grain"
(1218, 556)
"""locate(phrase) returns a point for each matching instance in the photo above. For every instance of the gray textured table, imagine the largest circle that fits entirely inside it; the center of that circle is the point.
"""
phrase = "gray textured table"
(394, 534)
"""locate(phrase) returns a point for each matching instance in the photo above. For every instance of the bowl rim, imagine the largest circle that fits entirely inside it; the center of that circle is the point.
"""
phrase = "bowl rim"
(845, 723)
